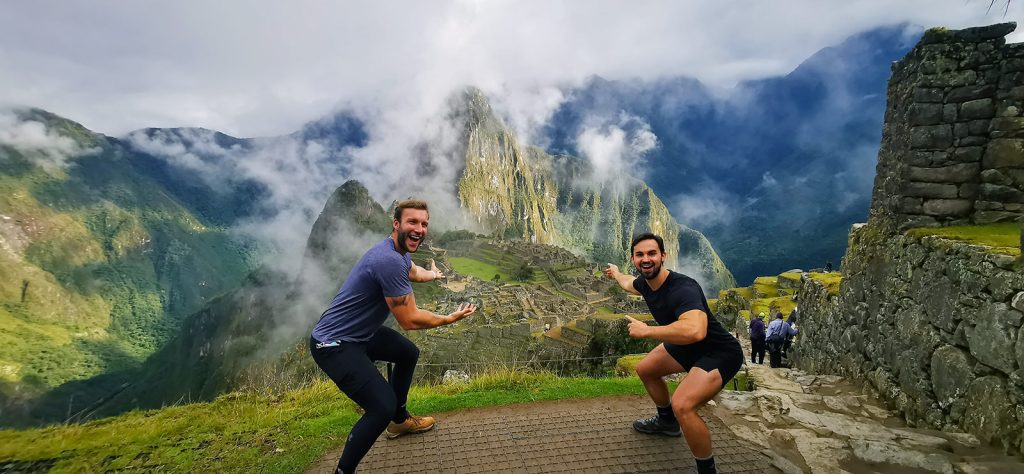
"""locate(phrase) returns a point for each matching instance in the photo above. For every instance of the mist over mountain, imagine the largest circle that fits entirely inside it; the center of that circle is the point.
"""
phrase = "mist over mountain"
(773, 171)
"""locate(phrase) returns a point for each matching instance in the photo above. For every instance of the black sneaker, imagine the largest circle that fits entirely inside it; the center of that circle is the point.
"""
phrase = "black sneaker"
(657, 425)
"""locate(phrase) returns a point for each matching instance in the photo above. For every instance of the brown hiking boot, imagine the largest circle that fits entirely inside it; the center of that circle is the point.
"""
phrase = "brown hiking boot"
(413, 424)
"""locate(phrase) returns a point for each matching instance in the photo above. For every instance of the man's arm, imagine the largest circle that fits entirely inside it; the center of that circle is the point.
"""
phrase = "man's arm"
(420, 274)
(691, 327)
(410, 317)
(624, 281)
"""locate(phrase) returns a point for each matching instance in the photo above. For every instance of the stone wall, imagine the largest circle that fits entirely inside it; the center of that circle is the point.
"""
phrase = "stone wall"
(935, 325)
(953, 143)
(932, 325)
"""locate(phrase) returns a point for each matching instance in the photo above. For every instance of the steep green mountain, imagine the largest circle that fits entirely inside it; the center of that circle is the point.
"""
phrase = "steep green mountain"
(521, 192)
(98, 262)
(246, 337)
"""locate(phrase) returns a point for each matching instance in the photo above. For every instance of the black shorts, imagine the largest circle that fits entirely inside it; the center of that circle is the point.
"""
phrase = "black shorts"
(727, 360)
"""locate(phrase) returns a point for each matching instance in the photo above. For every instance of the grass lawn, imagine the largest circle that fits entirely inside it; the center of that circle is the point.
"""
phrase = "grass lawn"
(477, 269)
(1002, 238)
(246, 432)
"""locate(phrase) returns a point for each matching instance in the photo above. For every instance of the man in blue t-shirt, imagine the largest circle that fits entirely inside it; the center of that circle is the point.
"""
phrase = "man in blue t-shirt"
(692, 341)
(351, 334)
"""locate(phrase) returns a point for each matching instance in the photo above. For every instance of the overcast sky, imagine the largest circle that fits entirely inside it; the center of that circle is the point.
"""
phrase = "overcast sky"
(257, 68)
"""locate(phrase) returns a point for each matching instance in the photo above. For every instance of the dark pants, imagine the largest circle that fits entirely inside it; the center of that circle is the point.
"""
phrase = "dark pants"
(775, 353)
(757, 346)
(350, 366)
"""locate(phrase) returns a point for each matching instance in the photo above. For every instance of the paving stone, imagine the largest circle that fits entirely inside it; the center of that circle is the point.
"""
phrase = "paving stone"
(593, 435)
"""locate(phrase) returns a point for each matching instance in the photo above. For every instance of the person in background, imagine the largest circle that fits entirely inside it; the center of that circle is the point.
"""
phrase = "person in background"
(775, 338)
(757, 335)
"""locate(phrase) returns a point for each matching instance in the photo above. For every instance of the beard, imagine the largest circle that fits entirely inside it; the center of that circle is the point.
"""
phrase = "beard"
(653, 272)
(402, 239)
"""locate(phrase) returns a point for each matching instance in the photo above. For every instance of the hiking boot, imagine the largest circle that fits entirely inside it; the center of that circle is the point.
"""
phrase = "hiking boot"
(657, 425)
(413, 424)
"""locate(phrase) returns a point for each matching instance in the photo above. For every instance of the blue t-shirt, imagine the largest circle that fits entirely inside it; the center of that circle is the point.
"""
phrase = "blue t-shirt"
(359, 309)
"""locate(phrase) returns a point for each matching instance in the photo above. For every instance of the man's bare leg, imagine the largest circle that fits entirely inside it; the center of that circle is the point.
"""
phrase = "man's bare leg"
(693, 392)
(655, 365)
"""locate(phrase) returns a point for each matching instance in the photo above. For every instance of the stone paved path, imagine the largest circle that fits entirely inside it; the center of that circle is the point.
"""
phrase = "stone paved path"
(593, 436)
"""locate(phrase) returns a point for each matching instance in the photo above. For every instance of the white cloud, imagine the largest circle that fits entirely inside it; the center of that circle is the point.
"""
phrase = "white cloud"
(36, 141)
(261, 68)
(617, 149)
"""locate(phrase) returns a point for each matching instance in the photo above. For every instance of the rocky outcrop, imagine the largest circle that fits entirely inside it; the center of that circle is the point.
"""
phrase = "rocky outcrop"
(516, 191)
(953, 143)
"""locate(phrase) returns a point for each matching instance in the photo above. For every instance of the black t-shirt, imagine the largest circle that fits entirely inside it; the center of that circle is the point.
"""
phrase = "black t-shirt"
(676, 296)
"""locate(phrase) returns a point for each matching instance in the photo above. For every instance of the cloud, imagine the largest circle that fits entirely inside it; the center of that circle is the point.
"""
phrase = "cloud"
(616, 149)
(708, 206)
(263, 68)
(36, 141)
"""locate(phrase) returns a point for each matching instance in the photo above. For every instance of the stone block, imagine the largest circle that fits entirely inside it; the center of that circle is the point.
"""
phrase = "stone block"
(978, 127)
(1004, 153)
(1007, 109)
(947, 207)
(951, 373)
(968, 154)
(1020, 348)
(909, 205)
(926, 95)
(990, 217)
(931, 137)
(968, 190)
(1013, 93)
(948, 79)
(995, 177)
(964, 94)
(979, 34)
(925, 114)
(997, 193)
(972, 141)
(989, 414)
(958, 173)
(961, 130)
(993, 337)
(1003, 284)
(930, 190)
(923, 158)
(1007, 124)
(949, 113)
(977, 109)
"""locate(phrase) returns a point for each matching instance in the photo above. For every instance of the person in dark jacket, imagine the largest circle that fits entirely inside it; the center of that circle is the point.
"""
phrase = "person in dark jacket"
(791, 321)
(757, 345)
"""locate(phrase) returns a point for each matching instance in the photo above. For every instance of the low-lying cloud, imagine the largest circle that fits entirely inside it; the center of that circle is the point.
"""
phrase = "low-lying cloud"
(37, 142)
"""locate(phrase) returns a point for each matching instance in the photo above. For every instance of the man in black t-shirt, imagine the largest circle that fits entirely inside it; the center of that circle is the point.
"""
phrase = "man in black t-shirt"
(692, 341)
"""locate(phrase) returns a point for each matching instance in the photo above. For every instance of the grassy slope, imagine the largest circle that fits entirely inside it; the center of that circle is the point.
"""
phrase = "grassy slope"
(100, 264)
(239, 432)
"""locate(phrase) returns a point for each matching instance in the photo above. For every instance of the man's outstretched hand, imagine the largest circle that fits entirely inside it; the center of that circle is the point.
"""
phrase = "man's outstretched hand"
(612, 271)
(465, 309)
(437, 273)
(637, 328)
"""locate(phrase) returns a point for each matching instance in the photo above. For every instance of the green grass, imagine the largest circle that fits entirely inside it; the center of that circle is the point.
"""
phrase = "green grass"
(830, 280)
(1002, 238)
(285, 433)
(765, 287)
(477, 269)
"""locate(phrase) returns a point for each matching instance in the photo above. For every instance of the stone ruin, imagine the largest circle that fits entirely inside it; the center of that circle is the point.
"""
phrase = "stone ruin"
(953, 143)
